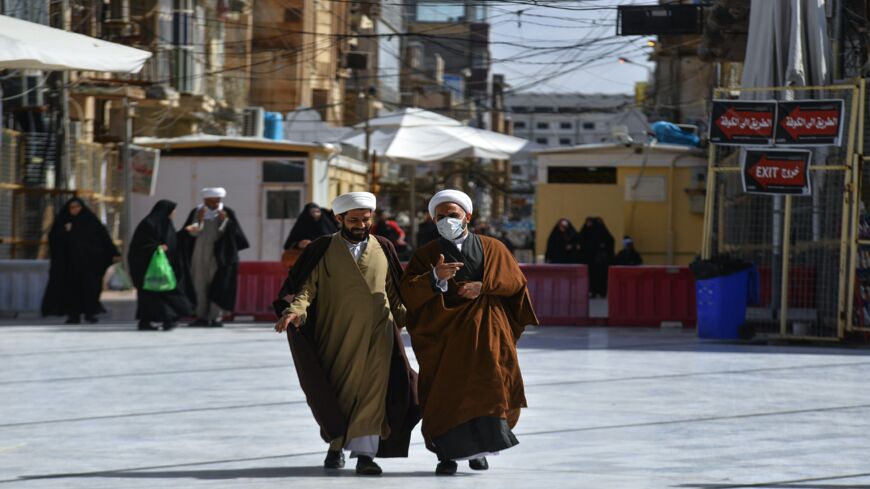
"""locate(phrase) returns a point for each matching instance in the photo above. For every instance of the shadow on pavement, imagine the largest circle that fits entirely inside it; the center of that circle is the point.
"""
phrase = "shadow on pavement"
(248, 473)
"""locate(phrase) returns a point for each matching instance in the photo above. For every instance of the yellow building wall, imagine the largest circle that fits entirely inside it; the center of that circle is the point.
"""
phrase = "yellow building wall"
(645, 222)
(342, 181)
(576, 202)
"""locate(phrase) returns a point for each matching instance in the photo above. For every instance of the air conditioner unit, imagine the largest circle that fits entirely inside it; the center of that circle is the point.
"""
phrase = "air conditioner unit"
(253, 122)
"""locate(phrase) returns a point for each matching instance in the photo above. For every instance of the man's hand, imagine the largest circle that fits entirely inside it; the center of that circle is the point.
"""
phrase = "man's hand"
(192, 228)
(68, 226)
(200, 215)
(470, 290)
(446, 271)
(285, 322)
(303, 243)
(222, 215)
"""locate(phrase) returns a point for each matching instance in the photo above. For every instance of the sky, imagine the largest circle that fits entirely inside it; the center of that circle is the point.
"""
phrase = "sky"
(564, 48)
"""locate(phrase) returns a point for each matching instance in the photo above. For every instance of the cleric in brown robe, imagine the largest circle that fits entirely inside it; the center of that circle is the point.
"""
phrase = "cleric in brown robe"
(348, 353)
(467, 307)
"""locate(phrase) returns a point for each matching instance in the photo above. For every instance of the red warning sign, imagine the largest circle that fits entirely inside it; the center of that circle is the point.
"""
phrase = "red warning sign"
(776, 172)
(737, 122)
(809, 123)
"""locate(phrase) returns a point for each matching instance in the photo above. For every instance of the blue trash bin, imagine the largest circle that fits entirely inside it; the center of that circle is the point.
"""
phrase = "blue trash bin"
(722, 303)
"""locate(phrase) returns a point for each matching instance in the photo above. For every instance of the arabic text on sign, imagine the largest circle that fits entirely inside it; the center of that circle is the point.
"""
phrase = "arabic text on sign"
(810, 122)
(745, 123)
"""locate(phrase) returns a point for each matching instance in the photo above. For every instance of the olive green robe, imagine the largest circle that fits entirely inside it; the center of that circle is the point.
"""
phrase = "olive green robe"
(354, 334)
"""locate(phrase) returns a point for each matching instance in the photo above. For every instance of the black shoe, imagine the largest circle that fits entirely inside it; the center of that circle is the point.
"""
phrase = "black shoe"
(367, 466)
(92, 319)
(73, 319)
(478, 464)
(169, 325)
(334, 460)
(217, 323)
(199, 323)
(447, 467)
(145, 326)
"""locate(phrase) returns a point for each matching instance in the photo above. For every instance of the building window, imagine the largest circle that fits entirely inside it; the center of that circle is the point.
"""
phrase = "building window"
(519, 109)
(320, 102)
(543, 125)
(292, 16)
(283, 204)
(581, 174)
(283, 172)
(517, 170)
(589, 126)
(519, 124)
(544, 110)
(541, 140)
(565, 125)
(565, 141)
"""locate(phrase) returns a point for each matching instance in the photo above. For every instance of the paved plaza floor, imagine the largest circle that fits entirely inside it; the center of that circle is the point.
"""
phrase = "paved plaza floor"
(105, 406)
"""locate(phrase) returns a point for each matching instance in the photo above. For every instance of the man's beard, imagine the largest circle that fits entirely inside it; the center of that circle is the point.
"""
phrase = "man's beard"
(356, 238)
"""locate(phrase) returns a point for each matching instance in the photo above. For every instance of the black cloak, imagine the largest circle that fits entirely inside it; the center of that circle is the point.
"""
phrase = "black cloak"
(307, 228)
(596, 251)
(222, 290)
(79, 259)
(155, 230)
(403, 409)
(561, 244)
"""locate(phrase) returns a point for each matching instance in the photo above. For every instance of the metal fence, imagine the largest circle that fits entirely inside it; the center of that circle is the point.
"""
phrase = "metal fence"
(800, 245)
(30, 195)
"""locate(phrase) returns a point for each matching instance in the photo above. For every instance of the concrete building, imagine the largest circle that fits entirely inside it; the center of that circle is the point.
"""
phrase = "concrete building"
(653, 193)
(447, 66)
(268, 182)
(564, 120)
(298, 54)
(373, 58)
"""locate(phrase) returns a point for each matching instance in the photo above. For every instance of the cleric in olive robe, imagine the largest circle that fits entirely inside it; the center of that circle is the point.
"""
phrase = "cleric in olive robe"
(467, 307)
(359, 310)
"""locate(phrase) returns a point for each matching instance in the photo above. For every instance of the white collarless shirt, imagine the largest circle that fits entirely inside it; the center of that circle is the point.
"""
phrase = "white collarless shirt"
(356, 249)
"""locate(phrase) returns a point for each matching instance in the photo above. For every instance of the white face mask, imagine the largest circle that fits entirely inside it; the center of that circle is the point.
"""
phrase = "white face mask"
(450, 227)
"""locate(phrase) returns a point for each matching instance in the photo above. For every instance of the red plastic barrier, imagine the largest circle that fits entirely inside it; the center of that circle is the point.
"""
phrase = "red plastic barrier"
(801, 286)
(560, 293)
(259, 284)
(648, 295)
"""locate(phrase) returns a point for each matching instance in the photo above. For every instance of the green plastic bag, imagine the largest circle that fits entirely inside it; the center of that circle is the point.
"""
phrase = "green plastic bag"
(159, 277)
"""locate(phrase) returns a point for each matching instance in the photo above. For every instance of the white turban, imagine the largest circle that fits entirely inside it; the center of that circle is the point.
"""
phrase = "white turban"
(354, 200)
(453, 196)
(213, 192)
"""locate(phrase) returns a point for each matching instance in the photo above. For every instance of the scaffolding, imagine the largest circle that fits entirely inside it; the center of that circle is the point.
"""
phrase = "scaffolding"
(30, 196)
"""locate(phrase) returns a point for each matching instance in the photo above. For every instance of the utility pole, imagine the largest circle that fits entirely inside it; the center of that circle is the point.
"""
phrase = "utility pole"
(66, 147)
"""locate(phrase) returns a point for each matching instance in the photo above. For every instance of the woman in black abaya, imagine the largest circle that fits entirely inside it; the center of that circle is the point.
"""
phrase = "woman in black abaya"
(81, 250)
(311, 224)
(596, 251)
(158, 231)
(561, 245)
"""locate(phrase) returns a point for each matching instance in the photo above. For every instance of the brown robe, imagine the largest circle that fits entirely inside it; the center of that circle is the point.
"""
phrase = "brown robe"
(466, 349)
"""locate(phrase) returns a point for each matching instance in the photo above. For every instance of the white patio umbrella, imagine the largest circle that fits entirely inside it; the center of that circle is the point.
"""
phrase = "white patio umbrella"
(412, 136)
(27, 45)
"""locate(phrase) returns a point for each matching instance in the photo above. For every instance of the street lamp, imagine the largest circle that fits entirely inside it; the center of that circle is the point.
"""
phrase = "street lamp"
(626, 61)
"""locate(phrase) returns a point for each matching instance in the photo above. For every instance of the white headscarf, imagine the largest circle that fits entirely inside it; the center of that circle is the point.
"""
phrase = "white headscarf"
(354, 200)
(454, 196)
